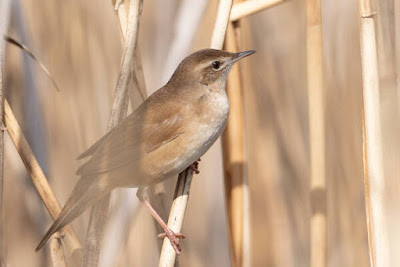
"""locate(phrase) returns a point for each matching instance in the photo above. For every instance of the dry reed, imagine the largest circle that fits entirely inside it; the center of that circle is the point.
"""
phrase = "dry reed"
(375, 179)
(57, 256)
(316, 115)
(24, 48)
(233, 152)
(246, 8)
(5, 8)
(397, 48)
(236, 188)
(176, 216)
(221, 23)
(366, 188)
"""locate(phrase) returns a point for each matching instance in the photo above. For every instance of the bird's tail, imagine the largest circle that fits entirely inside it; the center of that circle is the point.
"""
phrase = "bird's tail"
(85, 194)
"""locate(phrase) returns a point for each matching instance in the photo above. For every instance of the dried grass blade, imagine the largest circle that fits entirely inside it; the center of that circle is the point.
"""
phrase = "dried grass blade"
(30, 53)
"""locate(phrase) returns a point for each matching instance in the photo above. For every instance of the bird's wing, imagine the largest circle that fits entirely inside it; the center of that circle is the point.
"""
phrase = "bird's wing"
(144, 131)
(89, 152)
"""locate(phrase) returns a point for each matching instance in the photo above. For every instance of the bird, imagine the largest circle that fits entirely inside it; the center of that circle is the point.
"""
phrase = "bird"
(166, 134)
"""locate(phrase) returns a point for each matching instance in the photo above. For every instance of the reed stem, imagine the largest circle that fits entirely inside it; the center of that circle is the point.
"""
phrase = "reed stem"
(56, 253)
(233, 152)
(316, 115)
(5, 8)
(247, 8)
(374, 171)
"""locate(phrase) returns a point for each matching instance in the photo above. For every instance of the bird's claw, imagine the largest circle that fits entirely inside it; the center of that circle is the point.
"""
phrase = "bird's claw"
(117, 4)
(174, 239)
(195, 166)
(58, 235)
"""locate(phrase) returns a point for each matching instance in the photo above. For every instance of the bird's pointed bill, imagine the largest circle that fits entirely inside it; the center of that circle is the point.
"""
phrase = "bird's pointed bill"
(241, 55)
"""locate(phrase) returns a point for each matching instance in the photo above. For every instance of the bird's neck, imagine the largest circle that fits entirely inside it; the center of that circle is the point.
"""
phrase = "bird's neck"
(218, 86)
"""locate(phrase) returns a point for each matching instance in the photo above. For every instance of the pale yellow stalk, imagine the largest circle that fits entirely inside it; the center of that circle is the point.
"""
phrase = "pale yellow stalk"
(246, 8)
(374, 171)
(316, 117)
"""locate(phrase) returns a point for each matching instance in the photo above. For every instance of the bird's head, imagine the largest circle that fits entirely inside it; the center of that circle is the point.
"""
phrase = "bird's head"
(207, 66)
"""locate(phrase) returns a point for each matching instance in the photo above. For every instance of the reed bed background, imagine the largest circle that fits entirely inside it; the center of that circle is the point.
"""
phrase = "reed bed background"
(81, 43)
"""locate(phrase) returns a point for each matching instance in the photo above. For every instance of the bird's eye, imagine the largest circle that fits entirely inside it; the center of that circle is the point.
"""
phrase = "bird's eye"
(216, 64)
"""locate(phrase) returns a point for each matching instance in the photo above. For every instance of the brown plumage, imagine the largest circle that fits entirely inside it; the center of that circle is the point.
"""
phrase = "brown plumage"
(174, 127)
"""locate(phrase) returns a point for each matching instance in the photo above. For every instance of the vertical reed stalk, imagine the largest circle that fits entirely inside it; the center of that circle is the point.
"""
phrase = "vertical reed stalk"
(316, 114)
(375, 179)
(366, 186)
(221, 23)
(99, 212)
(182, 189)
(5, 8)
(176, 216)
(245, 8)
(122, 11)
(57, 256)
(236, 193)
(233, 152)
(397, 48)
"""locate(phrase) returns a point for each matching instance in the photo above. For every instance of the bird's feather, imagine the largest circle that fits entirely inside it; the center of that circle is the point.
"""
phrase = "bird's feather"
(144, 131)
(83, 196)
(89, 152)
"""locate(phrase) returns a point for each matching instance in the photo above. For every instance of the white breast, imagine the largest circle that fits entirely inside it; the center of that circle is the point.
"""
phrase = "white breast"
(206, 133)
(216, 119)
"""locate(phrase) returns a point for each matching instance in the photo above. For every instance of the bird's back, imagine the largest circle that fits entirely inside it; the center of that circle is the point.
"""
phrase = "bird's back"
(161, 137)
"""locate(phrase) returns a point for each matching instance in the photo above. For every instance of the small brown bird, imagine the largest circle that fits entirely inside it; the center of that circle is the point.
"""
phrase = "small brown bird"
(166, 134)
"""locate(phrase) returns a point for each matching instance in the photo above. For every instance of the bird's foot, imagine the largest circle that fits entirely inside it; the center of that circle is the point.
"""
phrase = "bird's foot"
(58, 235)
(117, 4)
(195, 166)
(173, 238)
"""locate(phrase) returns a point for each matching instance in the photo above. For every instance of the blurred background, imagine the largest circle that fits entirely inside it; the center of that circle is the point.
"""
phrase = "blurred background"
(80, 43)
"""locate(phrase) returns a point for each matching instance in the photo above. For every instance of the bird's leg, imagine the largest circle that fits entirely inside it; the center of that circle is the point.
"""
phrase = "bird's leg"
(195, 166)
(173, 237)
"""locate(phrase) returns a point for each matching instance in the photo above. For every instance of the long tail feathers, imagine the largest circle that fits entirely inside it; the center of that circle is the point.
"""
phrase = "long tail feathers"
(57, 225)
(83, 196)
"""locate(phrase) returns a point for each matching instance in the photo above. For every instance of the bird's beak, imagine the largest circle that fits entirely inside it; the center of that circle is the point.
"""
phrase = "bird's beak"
(241, 55)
